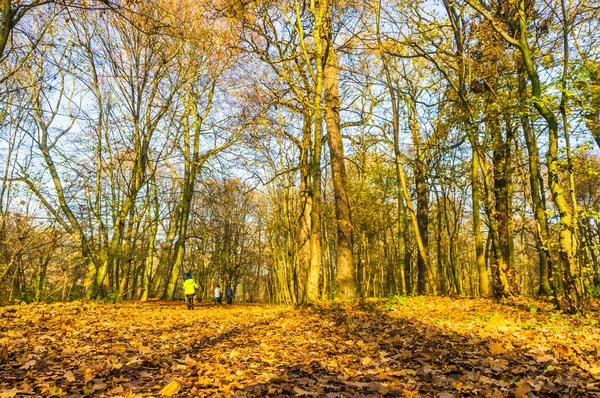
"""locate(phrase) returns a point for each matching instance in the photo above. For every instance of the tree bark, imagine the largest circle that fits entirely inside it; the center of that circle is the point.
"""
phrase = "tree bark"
(484, 282)
(305, 216)
(536, 183)
(345, 272)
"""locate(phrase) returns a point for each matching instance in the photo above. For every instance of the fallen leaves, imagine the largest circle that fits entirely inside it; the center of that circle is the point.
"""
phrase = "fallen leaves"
(497, 348)
(28, 365)
(69, 376)
(426, 347)
(3, 354)
(170, 389)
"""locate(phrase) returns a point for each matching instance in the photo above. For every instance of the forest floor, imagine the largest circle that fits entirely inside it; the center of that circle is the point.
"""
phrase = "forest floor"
(410, 347)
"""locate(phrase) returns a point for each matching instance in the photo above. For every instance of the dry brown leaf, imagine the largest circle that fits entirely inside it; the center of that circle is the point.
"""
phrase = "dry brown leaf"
(497, 348)
(24, 387)
(303, 392)
(563, 350)
(522, 390)
(3, 354)
(544, 359)
(28, 365)
(403, 372)
(99, 386)
(190, 362)
(69, 376)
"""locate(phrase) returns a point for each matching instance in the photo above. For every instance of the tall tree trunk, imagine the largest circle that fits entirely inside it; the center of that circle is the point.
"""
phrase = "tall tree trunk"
(345, 273)
(165, 254)
(305, 216)
(126, 260)
(425, 273)
(484, 282)
(315, 189)
(499, 226)
(153, 214)
(401, 238)
(536, 188)
(500, 282)
(179, 253)
(71, 224)
(458, 29)
(315, 265)
(423, 224)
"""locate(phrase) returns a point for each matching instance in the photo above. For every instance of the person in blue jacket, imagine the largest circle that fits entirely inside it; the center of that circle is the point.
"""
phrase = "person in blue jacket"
(229, 294)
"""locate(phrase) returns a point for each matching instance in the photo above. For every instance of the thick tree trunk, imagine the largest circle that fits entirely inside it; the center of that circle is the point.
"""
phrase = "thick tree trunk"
(499, 229)
(421, 216)
(179, 253)
(345, 272)
(344, 260)
(6, 25)
(165, 254)
(536, 188)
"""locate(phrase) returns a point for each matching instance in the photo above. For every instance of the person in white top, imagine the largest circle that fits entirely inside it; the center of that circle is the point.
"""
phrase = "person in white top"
(218, 299)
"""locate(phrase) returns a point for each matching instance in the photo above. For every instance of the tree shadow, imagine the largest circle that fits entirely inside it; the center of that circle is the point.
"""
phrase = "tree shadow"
(327, 351)
(380, 354)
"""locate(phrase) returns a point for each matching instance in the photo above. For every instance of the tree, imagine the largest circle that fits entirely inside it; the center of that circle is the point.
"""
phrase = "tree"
(574, 289)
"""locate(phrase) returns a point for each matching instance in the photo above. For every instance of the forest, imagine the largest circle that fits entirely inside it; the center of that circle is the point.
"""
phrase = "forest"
(300, 151)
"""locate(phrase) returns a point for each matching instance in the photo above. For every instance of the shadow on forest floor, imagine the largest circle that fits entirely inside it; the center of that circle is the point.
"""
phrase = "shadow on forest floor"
(423, 347)
(382, 354)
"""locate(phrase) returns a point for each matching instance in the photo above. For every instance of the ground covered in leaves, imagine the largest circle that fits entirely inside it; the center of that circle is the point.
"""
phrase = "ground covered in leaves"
(424, 346)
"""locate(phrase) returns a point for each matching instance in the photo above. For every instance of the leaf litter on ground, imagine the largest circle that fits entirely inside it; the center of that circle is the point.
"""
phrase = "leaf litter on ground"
(410, 347)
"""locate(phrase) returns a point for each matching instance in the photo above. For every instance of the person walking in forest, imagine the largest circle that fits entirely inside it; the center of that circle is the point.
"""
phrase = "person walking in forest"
(229, 294)
(189, 290)
(218, 298)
